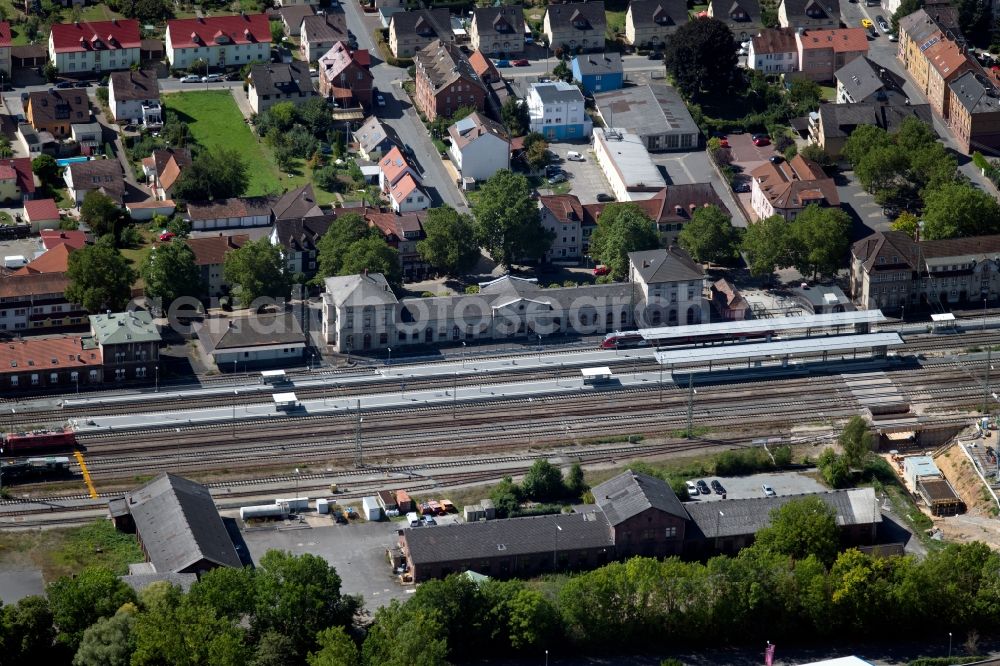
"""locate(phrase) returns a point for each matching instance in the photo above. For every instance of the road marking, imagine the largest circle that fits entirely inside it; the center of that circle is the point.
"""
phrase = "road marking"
(86, 475)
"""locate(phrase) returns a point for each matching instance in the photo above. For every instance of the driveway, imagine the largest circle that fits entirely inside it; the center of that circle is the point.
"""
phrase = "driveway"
(586, 178)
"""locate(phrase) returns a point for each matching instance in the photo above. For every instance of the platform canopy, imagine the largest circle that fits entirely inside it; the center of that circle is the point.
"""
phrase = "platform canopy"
(799, 346)
(758, 326)
(946, 316)
(284, 398)
(596, 372)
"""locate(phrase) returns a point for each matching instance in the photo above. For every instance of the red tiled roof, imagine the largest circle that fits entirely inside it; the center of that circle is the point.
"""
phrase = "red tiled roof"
(21, 168)
(237, 29)
(403, 188)
(211, 250)
(4, 35)
(34, 284)
(393, 165)
(840, 40)
(55, 260)
(95, 36)
(41, 209)
(39, 354)
(54, 237)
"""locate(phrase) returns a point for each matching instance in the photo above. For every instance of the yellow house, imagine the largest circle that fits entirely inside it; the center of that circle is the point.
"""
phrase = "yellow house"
(917, 33)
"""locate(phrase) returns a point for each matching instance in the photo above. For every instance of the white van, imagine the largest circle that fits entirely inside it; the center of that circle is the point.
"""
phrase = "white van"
(413, 519)
(574, 156)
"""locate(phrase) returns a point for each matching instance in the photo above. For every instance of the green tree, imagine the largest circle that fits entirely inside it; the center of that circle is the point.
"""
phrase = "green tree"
(45, 167)
(258, 270)
(450, 244)
(543, 482)
(335, 649)
(906, 7)
(457, 606)
(835, 470)
(957, 210)
(275, 649)
(50, 72)
(804, 95)
(815, 153)
(701, 55)
(506, 497)
(863, 139)
(857, 441)
(277, 32)
(575, 484)
(26, 632)
(332, 248)
(881, 168)
(109, 641)
(520, 618)
(907, 223)
(231, 593)
(710, 236)
(537, 155)
(800, 528)
(622, 228)
(507, 220)
(80, 601)
(373, 255)
(562, 71)
(100, 278)
(180, 633)
(101, 214)
(219, 173)
(766, 243)
(401, 638)
(170, 272)
(514, 114)
(820, 240)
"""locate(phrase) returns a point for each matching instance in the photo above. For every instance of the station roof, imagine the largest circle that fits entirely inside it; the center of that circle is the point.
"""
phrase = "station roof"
(284, 398)
(798, 346)
(947, 316)
(596, 372)
(272, 373)
(830, 320)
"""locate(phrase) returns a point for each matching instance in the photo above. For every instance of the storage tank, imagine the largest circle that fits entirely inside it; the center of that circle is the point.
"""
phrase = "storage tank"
(261, 511)
(371, 508)
(294, 503)
(323, 505)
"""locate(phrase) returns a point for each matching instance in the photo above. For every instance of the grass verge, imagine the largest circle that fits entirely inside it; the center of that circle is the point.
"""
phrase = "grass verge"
(63, 552)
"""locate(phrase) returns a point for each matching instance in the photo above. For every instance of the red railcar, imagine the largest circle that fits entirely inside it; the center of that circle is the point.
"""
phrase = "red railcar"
(19, 443)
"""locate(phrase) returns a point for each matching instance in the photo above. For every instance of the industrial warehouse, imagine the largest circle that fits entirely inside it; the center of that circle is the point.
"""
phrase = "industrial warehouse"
(634, 515)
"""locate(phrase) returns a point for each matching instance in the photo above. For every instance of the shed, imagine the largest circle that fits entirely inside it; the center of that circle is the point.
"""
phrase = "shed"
(387, 500)
(941, 498)
(371, 508)
(489, 511)
(473, 512)
(403, 501)
(916, 467)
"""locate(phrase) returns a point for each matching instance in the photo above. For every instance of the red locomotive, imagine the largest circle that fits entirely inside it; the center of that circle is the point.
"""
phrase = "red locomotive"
(20, 443)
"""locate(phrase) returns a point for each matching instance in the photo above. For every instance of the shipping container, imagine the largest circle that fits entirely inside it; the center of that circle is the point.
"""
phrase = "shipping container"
(372, 511)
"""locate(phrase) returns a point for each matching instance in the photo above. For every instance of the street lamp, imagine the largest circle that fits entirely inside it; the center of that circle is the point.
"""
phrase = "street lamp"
(949, 644)
(236, 395)
(984, 312)
(389, 362)
(463, 354)
(297, 483)
(156, 370)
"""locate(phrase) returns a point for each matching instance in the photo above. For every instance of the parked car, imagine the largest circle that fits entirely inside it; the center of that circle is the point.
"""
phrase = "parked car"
(655, 55)
(692, 489)
(558, 178)
(883, 25)
(165, 236)
(601, 269)
(703, 487)
(502, 63)
(574, 156)
(865, 23)
(64, 84)
(552, 170)
(429, 521)
(521, 62)
(717, 487)
(742, 186)
(191, 78)
(768, 491)
(82, 84)
(775, 159)
(313, 72)
(605, 198)
(212, 78)
(723, 142)
(379, 99)
(761, 140)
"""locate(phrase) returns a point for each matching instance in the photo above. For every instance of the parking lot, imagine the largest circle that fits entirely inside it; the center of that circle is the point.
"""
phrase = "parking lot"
(745, 487)
(585, 178)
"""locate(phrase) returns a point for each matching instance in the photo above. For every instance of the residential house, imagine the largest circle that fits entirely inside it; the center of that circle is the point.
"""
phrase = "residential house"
(823, 52)
(36, 301)
(291, 18)
(53, 111)
(809, 14)
(774, 51)
(446, 81)
(497, 30)
(273, 83)
(129, 344)
(394, 166)
(742, 17)
(360, 312)
(85, 47)
(297, 203)
(41, 214)
(891, 270)
(254, 340)
(728, 301)
(917, 33)
(576, 26)
(345, 78)
(33, 364)
(55, 260)
(407, 195)
(221, 41)
(598, 72)
(626, 165)
(835, 122)
(975, 112)
(229, 213)
(163, 168)
(298, 238)
(562, 216)
(863, 80)
(6, 63)
(17, 180)
(411, 31)
(88, 137)
(31, 56)
(209, 255)
(375, 138)
(178, 528)
(675, 205)
(788, 187)
(104, 176)
(319, 34)
(649, 23)
(654, 112)
(53, 238)
(947, 62)
(134, 97)
(557, 111)
(497, 88)
(403, 232)
(479, 147)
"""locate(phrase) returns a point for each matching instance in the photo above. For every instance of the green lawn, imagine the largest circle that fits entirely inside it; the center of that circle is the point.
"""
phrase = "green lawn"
(616, 22)
(5, 218)
(829, 93)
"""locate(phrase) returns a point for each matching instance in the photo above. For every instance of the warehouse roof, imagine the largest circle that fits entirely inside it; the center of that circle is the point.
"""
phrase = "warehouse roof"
(630, 493)
(179, 525)
(646, 110)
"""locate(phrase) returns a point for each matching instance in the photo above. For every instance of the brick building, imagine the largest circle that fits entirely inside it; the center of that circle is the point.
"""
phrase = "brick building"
(60, 363)
(446, 81)
(129, 343)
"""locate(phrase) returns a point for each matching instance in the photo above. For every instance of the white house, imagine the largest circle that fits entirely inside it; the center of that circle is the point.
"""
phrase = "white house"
(97, 46)
(774, 51)
(406, 195)
(134, 96)
(479, 147)
(218, 40)
(393, 167)
(557, 111)
(104, 176)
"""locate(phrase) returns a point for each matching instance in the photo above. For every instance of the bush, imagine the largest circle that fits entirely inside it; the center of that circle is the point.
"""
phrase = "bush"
(791, 152)
(741, 463)
(943, 661)
(327, 179)
(472, 289)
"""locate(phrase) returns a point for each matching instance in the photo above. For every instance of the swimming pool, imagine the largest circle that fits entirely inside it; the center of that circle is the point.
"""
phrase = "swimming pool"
(71, 160)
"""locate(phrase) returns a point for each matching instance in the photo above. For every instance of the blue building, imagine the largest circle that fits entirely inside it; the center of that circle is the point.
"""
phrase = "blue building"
(598, 72)
(557, 111)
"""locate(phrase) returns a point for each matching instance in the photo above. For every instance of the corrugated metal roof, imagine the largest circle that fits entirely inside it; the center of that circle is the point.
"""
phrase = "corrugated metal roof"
(811, 345)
